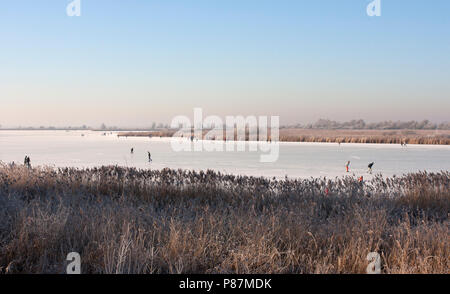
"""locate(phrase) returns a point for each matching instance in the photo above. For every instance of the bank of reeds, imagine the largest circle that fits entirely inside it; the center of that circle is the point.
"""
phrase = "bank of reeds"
(160, 133)
(125, 220)
(323, 136)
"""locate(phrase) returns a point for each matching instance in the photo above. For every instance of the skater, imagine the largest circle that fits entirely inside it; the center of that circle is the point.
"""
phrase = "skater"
(370, 167)
(347, 165)
(361, 179)
(27, 161)
(132, 150)
(149, 156)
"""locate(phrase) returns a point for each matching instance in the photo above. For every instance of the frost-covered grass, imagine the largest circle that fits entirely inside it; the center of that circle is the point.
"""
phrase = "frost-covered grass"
(125, 220)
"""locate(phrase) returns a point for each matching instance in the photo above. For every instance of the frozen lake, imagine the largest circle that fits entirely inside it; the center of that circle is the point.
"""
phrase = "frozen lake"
(62, 148)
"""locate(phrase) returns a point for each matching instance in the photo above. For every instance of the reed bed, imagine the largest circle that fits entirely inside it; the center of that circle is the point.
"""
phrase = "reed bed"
(126, 220)
(429, 137)
(160, 133)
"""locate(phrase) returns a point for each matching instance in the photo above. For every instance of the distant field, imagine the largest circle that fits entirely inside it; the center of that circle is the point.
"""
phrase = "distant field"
(441, 137)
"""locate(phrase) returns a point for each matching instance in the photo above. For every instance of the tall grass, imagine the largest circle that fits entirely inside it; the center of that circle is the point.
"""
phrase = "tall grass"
(430, 137)
(125, 220)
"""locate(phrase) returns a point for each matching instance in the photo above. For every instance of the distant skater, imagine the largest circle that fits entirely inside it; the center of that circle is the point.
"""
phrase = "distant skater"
(370, 167)
(27, 161)
(149, 156)
(361, 179)
(347, 165)
(132, 150)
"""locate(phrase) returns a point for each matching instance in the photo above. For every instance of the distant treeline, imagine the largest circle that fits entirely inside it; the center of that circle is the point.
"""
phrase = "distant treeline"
(324, 124)
(385, 125)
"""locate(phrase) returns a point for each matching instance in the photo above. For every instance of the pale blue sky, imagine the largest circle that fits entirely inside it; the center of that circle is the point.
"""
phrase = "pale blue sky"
(132, 62)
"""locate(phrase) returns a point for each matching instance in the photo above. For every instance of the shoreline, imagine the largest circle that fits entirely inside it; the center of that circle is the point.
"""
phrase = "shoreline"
(389, 137)
(354, 175)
